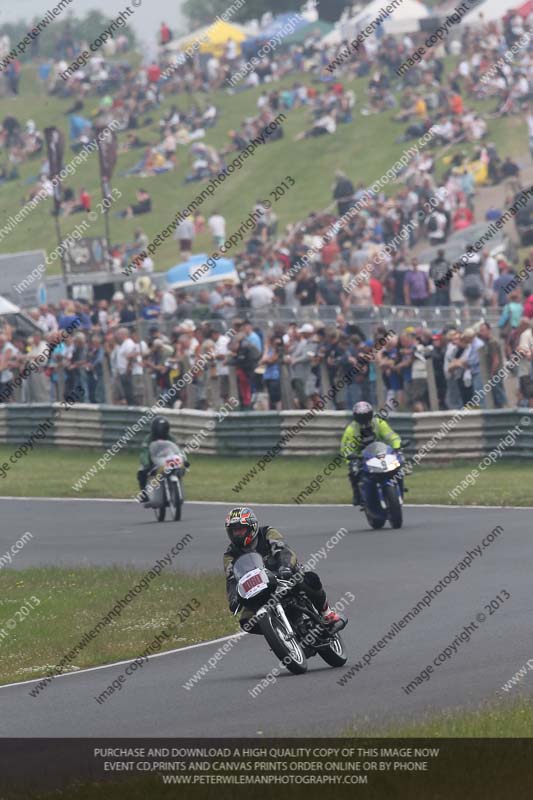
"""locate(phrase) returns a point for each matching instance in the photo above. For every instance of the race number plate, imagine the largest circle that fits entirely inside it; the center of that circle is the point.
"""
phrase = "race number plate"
(253, 582)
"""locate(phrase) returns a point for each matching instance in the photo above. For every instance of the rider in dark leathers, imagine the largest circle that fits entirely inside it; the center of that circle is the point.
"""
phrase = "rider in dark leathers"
(245, 535)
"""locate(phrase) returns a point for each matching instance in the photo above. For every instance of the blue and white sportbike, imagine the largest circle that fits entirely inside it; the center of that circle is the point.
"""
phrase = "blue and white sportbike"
(381, 484)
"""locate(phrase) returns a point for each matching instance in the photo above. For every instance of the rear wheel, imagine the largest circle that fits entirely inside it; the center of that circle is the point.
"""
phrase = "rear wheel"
(283, 645)
(394, 506)
(334, 654)
(175, 501)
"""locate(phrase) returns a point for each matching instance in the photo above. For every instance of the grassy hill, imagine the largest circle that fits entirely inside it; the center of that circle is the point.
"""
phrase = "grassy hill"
(364, 149)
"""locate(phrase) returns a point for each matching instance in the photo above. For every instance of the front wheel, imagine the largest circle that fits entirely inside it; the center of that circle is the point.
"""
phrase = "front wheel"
(175, 500)
(334, 654)
(375, 522)
(160, 513)
(283, 645)
(394, 507)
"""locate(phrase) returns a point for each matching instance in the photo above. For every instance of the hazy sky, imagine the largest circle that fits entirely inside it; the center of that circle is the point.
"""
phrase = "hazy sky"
(146, 20)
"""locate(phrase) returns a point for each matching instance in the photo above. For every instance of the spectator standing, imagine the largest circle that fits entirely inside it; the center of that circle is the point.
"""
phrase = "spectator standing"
(185, 236)
(244, 357)
(76, 373)
(306, 288)
(137, 371)
(217, 225)
(165, 34)
(329, 289)
(439, 275)
(473, 286)
(168, 304)
(525, 367)
(95, 371)
(300, 359)
(37, 384)
(510, 319)
(343, 192)
(416, 286)
(470, 359)
(419, 392)
(221, 342)
(503, 282)
(8, 354)
(493, 355)
(272, 360)
(452, 373)
(489, 272)
(437, 225)
(126, 353)
(260, 295)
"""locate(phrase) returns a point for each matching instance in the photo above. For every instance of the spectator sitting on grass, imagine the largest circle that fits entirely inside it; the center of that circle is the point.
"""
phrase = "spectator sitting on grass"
(324, 124)
(142, 206)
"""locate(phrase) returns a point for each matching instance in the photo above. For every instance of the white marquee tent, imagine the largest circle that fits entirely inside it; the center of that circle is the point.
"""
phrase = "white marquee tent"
(12, 314)
(404, 19)
(490, 11)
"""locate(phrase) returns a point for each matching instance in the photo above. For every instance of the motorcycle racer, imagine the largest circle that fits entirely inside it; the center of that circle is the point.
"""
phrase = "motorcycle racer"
(365, 429)
(245, 535)
(160, 430)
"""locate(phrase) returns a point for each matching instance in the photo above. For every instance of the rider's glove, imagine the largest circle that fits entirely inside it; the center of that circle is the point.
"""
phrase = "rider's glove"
(285, 573)
(234, 602)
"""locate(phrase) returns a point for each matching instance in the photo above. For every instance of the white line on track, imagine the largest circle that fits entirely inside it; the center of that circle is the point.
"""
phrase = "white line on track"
(251, 503)
(119, 663)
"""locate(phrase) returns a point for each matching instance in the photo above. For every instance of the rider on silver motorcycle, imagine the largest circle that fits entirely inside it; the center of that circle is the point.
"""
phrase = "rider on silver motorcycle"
(160, 430)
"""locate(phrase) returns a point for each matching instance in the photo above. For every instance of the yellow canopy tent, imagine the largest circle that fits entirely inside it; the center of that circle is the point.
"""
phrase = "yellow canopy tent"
(213, 38)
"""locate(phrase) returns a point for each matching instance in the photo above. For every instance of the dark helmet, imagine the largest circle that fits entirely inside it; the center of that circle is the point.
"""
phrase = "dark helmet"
(160, 428)
(242, 527)
(363, 413)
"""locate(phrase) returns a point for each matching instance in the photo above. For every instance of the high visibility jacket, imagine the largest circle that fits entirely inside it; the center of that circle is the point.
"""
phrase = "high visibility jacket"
(352, 440)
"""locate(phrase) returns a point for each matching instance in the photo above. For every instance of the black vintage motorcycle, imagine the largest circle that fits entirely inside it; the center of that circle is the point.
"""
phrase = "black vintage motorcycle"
(285, 616)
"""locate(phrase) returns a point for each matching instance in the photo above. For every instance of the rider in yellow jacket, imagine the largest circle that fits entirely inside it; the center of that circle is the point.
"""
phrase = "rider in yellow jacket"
(365, 429)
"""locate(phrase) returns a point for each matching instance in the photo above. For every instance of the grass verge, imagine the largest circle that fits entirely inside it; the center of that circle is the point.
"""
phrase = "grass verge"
(73, 600)
(489, 721)
(52, 472)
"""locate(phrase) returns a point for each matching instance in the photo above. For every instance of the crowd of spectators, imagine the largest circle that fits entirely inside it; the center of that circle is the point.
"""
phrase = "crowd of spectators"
(116, 360)
(118, 353)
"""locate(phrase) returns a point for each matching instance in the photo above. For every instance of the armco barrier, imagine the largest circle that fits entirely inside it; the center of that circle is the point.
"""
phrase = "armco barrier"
(473, 435)
(464, 440)
(185, 425)
(80, 423)
(497, 424)
(246, 433)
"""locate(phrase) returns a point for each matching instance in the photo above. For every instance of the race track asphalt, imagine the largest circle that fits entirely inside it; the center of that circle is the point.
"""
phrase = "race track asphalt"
(388, 571)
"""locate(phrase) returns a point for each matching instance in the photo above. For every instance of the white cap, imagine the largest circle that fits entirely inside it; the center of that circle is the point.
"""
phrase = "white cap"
(307, 328)
(187, 325)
